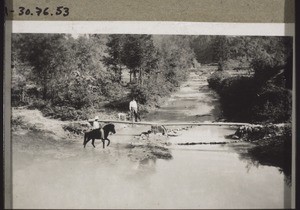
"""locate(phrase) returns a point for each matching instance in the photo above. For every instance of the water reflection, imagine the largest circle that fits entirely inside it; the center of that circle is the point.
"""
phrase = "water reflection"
(257, 156)
(146, 166)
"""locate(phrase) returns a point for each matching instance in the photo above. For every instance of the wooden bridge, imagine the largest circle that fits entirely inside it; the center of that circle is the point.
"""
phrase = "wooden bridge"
(180, 123)
(156, 125)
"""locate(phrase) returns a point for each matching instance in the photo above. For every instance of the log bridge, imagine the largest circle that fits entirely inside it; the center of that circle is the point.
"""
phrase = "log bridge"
(156, 125)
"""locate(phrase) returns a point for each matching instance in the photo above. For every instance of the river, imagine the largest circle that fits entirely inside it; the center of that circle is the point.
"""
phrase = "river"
(64, 175)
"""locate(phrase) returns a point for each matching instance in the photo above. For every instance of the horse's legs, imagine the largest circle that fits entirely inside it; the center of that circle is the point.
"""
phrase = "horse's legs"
(93, 141)
(86, 141)
(108, 142)
(103, 142)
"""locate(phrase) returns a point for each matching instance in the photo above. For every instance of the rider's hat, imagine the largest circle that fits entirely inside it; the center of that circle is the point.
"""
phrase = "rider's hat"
(96, 118)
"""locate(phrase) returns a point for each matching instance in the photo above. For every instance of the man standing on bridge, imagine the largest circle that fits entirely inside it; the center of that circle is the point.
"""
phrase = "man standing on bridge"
(133, 108)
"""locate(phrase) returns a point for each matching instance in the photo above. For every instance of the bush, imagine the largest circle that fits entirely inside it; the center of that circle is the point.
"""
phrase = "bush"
(273, 104)
(76, 128)
(237, 97)
(17, 122)
(267, 65)
(141, 93)
(121, 105)
(244, 99)
(150, 93)
(64, 113)
(113, 91)
(38, 104)
(262, 133)
(216, 79)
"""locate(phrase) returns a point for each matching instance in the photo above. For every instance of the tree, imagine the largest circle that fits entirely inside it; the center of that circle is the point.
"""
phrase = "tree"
(149, 58)
(138, 54)
(132, 54)
(175, 58)
(269, 56)
(44, 52)
(221, 51)
(114, 58)
(202, 46)
(68, 71)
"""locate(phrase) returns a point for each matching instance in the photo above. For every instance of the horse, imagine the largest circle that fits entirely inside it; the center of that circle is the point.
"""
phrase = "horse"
(95, 134)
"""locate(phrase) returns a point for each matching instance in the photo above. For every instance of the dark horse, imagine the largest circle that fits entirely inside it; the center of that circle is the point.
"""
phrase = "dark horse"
(95, 134)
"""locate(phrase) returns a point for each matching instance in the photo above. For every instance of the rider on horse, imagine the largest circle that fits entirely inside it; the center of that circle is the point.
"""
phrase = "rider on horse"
(97, 126)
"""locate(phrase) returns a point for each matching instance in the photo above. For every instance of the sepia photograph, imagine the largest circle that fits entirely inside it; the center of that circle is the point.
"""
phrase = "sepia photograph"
(151, 121)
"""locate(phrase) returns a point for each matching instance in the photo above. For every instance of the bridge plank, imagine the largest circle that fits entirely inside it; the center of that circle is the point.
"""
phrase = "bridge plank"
(179, 123)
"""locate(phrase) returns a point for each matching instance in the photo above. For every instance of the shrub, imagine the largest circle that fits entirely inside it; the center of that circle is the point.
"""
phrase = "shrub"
(76, 128)
(141, 93)
(267, 65)
(38, 104)
(263, 133)
(244, 99)
(273, 104)
(17, 122)
(216, 79)
(64, 113)
(113, 91)
(121, 104)
(237, 97)
(150, 93)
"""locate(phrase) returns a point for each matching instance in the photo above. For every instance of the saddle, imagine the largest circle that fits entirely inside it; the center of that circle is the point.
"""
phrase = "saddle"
(97, 133)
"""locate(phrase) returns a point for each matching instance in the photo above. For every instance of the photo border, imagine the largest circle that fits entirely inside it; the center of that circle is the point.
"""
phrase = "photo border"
(133, 27)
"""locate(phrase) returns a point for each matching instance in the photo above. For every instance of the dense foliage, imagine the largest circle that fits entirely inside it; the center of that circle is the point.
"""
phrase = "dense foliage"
(266, 96)
(64, 76)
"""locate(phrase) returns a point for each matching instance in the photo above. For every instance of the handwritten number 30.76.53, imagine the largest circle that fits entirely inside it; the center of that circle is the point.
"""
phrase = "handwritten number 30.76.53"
(39, 11)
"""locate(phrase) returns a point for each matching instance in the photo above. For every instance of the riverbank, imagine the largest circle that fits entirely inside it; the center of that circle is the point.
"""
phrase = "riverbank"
(244, 98)
(273, 145)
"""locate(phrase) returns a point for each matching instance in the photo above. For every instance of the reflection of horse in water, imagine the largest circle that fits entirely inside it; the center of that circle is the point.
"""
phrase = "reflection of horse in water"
(147, 165)
(95, 134)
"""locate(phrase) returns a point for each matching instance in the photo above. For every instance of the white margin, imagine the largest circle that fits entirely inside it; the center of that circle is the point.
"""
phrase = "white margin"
(154, 27)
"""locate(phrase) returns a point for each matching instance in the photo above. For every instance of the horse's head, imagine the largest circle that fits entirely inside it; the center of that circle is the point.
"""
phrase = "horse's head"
(110, 128)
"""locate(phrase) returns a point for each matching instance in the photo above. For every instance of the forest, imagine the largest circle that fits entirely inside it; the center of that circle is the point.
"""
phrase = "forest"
(69, 77)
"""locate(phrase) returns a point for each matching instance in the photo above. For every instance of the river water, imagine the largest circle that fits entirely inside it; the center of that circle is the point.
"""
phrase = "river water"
(197, 176)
